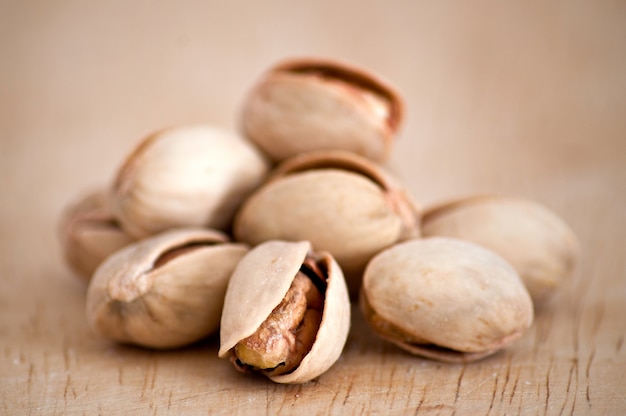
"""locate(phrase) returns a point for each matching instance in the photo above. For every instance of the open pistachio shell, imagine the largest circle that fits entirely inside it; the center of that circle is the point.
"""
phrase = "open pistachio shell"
(165, 291)
(445, 299)
(259, 285)
(314, 104)
(340, 202)
(539, 245)
(89, 234)
(185, 176)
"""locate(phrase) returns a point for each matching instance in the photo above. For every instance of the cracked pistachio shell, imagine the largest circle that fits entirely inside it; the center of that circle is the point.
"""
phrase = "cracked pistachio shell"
(258, 285)
(312, 104)
(89, 234)
(539, 245)
(340, 202)
(165, 291)
(445, 299)
(185, 176)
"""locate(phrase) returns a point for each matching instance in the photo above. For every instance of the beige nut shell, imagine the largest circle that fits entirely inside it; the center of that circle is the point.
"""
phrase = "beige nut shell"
(456, 301)
(185, 176)
(165, 291)
(305, 105)
(539, 245)
(338, 201)
(258, 285)
(89, 234)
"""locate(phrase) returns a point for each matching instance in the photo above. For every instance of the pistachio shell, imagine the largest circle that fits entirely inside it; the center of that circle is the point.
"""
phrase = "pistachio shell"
(89, 234)
(539, 245)
(165, 291)
(260, 282)
(445, 299)
(306, 105)
(185, 176)
(338, 201)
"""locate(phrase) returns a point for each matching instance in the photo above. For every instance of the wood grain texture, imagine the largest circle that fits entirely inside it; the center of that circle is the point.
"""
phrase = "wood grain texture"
(525, 99)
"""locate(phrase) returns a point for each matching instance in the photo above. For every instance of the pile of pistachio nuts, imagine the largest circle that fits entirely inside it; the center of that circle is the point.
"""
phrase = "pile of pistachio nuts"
(268, 233)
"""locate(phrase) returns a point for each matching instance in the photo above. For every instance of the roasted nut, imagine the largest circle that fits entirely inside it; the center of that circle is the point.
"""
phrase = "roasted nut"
(165, 291)
(286, 312)
(340, 202)
(445, 299)
(306, 105)
(183, 177)
(89, 234)
(539, 245)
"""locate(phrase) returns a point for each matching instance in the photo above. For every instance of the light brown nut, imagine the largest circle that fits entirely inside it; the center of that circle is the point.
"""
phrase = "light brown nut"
(313, 104)
(286, 312)
(185, 176)
(89, 234)
(165, 291)
(445, 299)
(539, 245)
(340, 202)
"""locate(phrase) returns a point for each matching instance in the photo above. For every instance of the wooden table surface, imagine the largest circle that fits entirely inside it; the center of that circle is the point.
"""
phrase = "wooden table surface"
(526, 99)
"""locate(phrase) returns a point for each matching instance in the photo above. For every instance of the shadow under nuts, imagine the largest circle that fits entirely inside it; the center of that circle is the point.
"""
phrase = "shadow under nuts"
(185, 176)
(445, 299)
(539, 245)
(286, 312)
(340, 202)
(165, 291)
(307, 105)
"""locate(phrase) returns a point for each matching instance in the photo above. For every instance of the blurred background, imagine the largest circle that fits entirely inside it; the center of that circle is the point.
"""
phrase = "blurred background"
(501, 96)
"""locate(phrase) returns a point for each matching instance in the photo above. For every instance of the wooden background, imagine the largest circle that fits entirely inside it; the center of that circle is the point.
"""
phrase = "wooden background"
(524, 98)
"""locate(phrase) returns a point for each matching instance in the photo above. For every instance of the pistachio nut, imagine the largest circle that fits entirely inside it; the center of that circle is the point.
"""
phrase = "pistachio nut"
(89, 234)
(185, 176)
(286, 312)
(539, 245)
(340, 202)
(315, 104)
(165, 291)
(445, 299)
